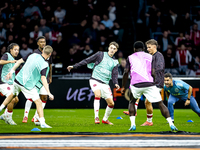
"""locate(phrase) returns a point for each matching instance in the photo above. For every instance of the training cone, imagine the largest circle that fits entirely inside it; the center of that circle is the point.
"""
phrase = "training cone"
(190, 121)
(119, 118)
(35, 129)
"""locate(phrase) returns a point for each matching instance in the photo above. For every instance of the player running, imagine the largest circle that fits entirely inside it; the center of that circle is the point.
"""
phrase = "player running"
(179, 90)
(159, 78)
(6, 63)
(34, 70)
(142, 70)
(41, 42)
(104, 68)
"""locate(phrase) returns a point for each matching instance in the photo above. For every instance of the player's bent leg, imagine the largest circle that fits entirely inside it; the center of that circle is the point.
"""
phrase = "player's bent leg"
(149, 110)
(7, 101)
(132, 112)
(194, 105)
(165, 113)
(39, 108)
(108, 111)
(10, 106)
(28, 105)
(44, 99)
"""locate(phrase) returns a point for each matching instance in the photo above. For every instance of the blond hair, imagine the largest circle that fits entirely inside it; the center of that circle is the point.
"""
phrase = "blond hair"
(115, 44)
(152, 42)
(48, 49)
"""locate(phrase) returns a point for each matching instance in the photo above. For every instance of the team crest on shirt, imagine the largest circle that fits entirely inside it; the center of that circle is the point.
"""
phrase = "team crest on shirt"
(176, 90)
(8, 88)
(94, 85)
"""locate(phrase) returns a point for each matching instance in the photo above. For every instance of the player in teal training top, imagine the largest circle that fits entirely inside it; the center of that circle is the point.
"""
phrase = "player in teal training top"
(26, 81)
(104, 68)
(179, 90)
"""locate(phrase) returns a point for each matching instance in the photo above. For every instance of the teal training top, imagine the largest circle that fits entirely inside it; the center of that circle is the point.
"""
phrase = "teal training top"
(30, 74)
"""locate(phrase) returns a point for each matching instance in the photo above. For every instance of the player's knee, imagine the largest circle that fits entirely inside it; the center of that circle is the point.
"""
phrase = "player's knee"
(170, 103)
(43, 97)
(111, 104)
(16, 100)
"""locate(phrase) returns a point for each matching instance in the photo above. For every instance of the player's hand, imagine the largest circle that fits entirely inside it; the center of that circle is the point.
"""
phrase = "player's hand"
(187, 102)
(69, 68)
(8, 76)
(122, 90)
(13, 61)
(117, 86)
(51, 97)
(50, 80)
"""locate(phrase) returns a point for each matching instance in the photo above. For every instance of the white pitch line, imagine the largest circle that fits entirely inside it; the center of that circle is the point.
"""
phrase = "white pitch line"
(99, 143)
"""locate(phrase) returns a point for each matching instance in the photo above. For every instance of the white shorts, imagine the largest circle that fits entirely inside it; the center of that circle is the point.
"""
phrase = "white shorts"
(152, 93)
(6, 89)
(29, 94)
(43, 91)
(104, 88)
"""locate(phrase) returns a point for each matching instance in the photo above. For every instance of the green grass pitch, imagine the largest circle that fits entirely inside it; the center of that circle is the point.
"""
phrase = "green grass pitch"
(82, 120)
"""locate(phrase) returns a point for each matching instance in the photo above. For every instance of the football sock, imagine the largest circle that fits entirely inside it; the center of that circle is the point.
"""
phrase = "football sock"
(132, 119)
(108, 112)
(27, 107)
(169, 120)
(42, 120)
(9, 114)
(96, 106)
(6, 110)
(149, 117)
(2, 107)
(136, 106)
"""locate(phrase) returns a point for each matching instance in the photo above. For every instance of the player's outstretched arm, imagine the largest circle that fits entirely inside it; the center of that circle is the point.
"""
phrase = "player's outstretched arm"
(9, 75)
(45, 84)
(69, 68)
(4, 62)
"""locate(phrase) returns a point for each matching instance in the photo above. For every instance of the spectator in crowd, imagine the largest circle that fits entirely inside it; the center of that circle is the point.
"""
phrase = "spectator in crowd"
(48, 39)
(59, 15)
(2, 33)
(80, 28)
(171, 64)
(35, 33)
(118, 32)
(74, 39)
(25, 50)
(107, 22)
(197, 19)
(179, 38)
(35, 19)
(31, 9)
(58, 46)
(91, 32)
(3, 50)
(23, 31)
(122, 66)
(55, 32)
(103, 43)
(120, 56)
(164, 41)
(48, 15)
(195, 35)
(12, 30)
(183, 57)
(156, 22)
(186, 23)
(45, 29)
(173, 21)
(55, 57)
(112, 11)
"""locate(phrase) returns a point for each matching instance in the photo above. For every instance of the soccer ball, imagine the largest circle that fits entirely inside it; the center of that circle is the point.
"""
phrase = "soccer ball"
(36, 121)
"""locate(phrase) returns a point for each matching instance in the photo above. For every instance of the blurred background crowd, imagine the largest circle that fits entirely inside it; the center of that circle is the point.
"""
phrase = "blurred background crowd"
(76, 29)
